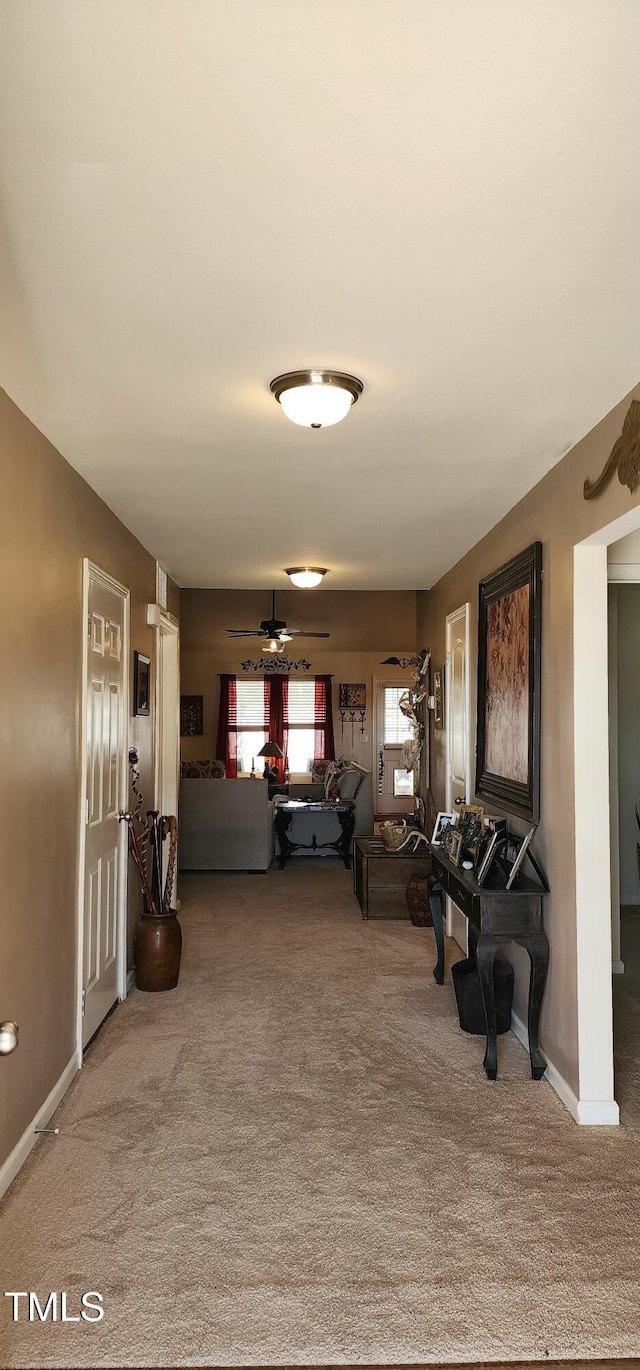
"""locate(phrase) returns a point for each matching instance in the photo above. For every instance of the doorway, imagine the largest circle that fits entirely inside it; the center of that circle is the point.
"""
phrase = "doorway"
(102, 848)
(395, 784)
(595, 1103)
(457, 737)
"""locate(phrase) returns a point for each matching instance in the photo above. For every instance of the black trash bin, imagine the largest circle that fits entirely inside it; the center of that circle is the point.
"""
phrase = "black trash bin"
(466, 983)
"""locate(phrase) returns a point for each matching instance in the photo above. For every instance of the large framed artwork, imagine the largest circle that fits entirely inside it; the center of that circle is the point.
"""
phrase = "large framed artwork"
(509, 641)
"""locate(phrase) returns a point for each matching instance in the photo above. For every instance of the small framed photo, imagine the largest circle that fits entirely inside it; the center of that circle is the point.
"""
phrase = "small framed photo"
(455, 846)
(443, 821)
(141, 683)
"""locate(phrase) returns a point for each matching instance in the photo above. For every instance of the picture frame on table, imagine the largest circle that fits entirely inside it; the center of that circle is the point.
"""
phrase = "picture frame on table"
(514, 853)
(443, 821)
(509, 656)
(141, 684)
(491, 851)
(455, 846)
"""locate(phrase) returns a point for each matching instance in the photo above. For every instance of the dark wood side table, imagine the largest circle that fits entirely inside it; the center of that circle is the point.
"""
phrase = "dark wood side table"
(496, 916)
(380, 876)
(345, 814)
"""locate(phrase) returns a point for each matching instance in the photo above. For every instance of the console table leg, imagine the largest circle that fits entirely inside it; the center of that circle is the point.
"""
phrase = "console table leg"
(538, 949)
(347, 823)
(283, 821)
(435, 904)
(485, 957)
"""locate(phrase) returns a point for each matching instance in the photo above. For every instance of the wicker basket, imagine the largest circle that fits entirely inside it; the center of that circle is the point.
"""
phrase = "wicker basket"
(393, 834)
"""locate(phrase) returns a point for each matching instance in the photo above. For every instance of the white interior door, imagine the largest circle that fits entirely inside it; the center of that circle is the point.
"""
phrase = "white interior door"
(168, 723)
(395, 785)
(457, 720)
(103, 839)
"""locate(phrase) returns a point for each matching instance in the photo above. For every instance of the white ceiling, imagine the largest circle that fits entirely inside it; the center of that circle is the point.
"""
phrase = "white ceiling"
(442, 197)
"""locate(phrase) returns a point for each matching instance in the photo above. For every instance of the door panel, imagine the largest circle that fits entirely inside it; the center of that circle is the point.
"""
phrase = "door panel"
(105, 742)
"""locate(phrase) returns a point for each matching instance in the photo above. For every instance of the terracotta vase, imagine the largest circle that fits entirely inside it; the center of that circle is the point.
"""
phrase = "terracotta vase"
(157, 948)
(417, 896)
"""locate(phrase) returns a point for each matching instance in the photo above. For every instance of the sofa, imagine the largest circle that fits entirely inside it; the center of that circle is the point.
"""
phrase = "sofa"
(225, 825)
(228, 824)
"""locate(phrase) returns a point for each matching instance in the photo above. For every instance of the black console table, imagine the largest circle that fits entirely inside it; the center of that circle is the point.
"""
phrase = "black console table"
(344, 812)
(496, 916)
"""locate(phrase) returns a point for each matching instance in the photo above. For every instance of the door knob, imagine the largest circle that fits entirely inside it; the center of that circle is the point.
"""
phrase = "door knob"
(8, 1038)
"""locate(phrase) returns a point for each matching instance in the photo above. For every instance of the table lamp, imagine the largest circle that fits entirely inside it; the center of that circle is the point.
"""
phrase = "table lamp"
(271, 749)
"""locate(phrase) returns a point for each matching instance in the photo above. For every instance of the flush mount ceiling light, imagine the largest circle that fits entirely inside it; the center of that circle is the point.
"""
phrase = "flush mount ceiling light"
(314, 398)
(306, 577)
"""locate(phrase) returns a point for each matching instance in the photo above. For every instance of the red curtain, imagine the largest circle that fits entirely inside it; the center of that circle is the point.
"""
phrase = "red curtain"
(277, 713)
(324, 745)
(227, 725)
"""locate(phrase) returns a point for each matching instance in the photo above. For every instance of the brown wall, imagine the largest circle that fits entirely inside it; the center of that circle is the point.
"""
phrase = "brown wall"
(49, 520)
(556, 513)
(365, 627)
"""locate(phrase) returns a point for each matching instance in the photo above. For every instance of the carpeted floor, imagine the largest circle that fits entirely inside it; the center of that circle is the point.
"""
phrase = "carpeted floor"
(296, 1158)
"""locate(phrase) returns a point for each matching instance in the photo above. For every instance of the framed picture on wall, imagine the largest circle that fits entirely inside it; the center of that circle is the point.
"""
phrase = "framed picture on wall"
(353, 696)
(509, 647)
(141, 684)
(191, 716)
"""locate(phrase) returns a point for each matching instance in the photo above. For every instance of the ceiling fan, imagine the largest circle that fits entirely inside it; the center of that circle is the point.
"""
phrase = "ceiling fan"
(274, 630)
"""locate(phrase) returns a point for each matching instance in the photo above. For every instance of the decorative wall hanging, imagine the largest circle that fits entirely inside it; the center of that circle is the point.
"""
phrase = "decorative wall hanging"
(141, 684)
(438, 697)
(509, 648)
(191, 716)
(402, 661)
(282, 664)
(625, 457)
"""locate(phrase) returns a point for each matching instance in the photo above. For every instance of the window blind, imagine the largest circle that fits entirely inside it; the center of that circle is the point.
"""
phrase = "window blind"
(252, 703)
(301, 702)
(397, 727)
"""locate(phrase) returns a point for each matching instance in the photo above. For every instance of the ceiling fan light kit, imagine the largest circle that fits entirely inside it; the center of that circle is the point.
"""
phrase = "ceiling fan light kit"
(316, 398)
(306, 577)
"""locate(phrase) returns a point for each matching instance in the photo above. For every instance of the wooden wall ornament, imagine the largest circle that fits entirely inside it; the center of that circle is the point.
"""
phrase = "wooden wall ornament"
(625, 457)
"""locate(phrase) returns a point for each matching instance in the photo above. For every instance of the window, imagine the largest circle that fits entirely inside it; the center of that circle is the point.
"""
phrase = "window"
(301, 714)
(251, 724)
(296, 714)
(396, 726)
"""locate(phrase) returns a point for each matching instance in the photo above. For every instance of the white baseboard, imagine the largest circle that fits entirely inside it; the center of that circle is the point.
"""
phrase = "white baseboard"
(601, 1114)
(131, 979)
(617, 967)
(16, 1159)
(598, 1113)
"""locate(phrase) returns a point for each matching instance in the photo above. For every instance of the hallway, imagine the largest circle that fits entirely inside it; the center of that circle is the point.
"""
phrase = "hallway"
(296, 1157)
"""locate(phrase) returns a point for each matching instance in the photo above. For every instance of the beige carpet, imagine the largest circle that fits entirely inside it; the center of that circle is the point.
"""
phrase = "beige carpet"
(295, 1158)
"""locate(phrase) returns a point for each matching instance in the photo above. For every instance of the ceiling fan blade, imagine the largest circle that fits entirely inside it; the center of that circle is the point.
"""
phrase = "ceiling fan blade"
(299, 632)
(244, 632)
